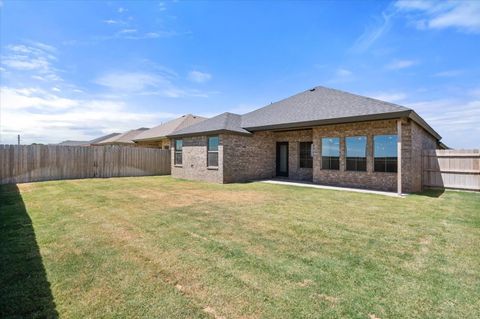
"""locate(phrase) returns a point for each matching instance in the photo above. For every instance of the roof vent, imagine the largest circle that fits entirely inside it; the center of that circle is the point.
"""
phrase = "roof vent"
(311, 90)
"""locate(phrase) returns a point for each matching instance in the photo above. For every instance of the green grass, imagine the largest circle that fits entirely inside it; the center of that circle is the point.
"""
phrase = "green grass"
(156, 247)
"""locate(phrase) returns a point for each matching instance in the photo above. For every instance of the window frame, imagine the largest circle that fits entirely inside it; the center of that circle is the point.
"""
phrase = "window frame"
(337, 158)
(210, 152)
(305, 158)
(178, 152)
(356, 159)
(385, 161)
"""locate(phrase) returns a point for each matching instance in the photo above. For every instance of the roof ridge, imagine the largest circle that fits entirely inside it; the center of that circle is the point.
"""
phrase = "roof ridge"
(358, 95)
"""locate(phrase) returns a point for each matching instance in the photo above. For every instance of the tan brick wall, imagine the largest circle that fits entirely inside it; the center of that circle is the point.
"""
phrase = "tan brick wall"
(342, 177)
(249, 157)
(421, 140)
(194, 164)
(253, 157)
(294, 138)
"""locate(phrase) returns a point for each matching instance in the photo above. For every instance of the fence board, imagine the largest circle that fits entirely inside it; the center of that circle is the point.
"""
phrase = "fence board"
(31, 163)
(452, 169)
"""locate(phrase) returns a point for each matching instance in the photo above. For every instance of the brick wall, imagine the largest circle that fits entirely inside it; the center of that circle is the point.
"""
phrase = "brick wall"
(342, 177)
(194, 164)
(253, 157)
(294, 138)
(249, 157)
(421, 140)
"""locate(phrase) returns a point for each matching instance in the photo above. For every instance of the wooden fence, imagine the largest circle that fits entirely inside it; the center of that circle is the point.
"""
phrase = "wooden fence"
(30, 163)
(452, 169)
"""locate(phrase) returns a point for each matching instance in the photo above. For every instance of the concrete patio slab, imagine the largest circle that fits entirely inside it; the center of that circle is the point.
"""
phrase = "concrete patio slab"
(348, 189)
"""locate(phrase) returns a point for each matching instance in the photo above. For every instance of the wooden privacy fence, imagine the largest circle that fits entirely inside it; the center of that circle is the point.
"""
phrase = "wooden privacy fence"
(452, 169)
(30, 163)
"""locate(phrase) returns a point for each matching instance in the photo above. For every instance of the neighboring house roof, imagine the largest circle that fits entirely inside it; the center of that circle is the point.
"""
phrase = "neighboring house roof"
(322, 105)
(74, 143)
(124, 138)
(221, 123)
(87, 143)
(165, 129)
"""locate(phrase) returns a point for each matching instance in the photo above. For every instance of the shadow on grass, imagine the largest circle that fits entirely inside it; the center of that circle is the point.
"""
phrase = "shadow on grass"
(24, 288)
(432, 192)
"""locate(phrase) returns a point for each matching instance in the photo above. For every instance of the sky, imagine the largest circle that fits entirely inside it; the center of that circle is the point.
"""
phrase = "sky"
(76, 70)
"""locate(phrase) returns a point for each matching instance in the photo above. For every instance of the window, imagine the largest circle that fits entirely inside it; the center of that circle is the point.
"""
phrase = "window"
(178, 152)
(306, 159)
(385, 153)
(356, 153)
(330, 153)
(212, 151)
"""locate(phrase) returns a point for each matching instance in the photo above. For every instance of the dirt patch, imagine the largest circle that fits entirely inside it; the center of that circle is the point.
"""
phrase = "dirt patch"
(330, 299)
(212, 312)
(372, 316)
(26, 188)
(305, 283)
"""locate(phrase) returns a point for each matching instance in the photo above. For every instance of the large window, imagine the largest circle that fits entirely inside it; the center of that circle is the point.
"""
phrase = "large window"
(306, 159)
(330, 153)
(178, 152)
(356, 153)
(385, 153)
(212, 151)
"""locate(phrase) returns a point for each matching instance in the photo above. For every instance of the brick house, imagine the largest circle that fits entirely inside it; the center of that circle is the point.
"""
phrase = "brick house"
(156, 137)
(322, 135)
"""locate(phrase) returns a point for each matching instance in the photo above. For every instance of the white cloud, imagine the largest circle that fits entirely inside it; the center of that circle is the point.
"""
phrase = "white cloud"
(130, 81)
(128, 31)
(36, 58)
(436, 14)
(401, 64)
(199, 77)
(461, 15)
(146, 83)
(449, 73)
(121, 10)
(456, 120)
(373, 32)
(343, 73)
(162, 6)
(64, 118)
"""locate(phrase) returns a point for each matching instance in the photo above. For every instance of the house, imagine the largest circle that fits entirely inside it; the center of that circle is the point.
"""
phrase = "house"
(156, 137)
(125, 139)
(88, 143)
(322, 135)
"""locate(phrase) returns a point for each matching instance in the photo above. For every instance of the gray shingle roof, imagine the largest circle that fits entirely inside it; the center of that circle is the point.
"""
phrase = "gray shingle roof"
(162, 130)
(87, 143)
(124, 138)
(220, 123)
(316, 105)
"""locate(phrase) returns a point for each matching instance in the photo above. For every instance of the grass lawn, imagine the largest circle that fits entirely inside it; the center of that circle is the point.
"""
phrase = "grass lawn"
(156, 247)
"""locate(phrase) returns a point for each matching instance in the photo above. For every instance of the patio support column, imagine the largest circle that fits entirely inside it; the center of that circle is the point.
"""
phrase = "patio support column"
(399, 157)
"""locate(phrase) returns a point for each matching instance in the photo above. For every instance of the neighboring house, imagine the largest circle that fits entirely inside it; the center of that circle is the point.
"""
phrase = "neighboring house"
(156, 137)
(122, 139)
(322, 135)
(88, 143)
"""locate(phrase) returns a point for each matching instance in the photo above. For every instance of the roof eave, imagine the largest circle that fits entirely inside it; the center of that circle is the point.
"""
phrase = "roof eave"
(148, 139)
(414, 116)
(208, 133)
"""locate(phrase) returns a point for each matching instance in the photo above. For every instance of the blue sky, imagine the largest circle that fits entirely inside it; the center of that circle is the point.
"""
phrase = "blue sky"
(77, 70)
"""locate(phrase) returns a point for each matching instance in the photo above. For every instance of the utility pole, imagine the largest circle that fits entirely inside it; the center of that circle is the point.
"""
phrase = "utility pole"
(18, 139)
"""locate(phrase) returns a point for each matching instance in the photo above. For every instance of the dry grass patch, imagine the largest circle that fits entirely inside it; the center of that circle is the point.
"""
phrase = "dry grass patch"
(160, 247)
